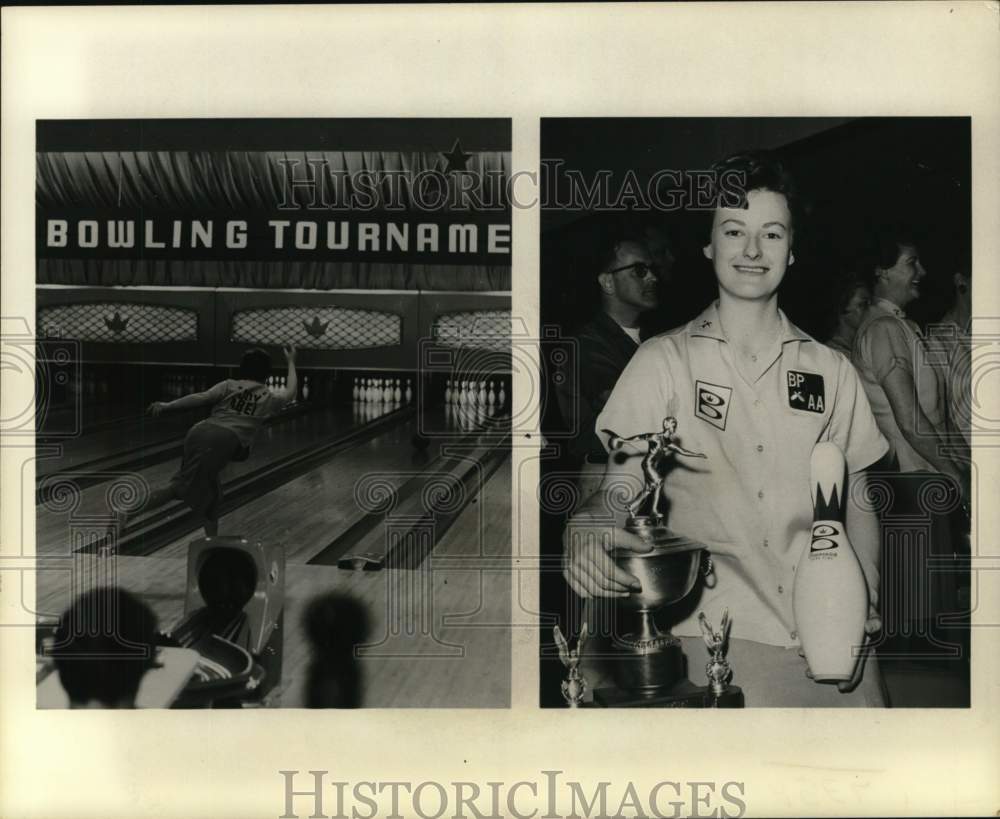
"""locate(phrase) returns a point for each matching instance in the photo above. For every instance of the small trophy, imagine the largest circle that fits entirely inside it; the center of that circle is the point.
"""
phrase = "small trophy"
(717, 669)
(574, 687)
(648, 664)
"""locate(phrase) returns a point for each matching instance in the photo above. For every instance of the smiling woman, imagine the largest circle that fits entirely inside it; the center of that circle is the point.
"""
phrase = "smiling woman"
(776, 393)
(751, 247)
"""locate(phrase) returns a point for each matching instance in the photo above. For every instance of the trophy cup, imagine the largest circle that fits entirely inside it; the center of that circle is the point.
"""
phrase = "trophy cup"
(648, 664)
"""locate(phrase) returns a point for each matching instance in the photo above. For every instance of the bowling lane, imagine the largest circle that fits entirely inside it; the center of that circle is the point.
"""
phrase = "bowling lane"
(132, 433)
(308, 512)
(276, 441)
(439, 637)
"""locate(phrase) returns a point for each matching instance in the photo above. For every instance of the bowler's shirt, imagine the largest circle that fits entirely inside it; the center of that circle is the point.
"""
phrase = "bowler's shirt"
(887, 340)
(243, 406)
(748, 501)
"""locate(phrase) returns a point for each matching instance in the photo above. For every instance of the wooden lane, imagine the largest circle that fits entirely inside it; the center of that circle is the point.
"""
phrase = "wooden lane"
(306, 513)
(422, 509)
(275, 442)
(439, 637)
(128, 435)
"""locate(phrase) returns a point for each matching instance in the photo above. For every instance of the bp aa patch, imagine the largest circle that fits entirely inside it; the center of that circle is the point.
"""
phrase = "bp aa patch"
(806, 392)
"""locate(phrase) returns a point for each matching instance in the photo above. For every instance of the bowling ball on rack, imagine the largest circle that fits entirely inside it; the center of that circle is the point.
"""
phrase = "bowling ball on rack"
(227, 580)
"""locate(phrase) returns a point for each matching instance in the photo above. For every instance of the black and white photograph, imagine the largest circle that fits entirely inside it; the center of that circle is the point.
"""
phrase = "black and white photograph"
(758, 489)
(404, 405)
(273, 456)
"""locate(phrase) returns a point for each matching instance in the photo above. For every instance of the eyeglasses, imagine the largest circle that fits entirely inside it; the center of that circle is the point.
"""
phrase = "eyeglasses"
(640, 270)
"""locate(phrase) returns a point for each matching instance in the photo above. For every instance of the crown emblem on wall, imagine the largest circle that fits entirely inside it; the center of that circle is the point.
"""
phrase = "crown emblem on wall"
(116, 324)
(315, 328)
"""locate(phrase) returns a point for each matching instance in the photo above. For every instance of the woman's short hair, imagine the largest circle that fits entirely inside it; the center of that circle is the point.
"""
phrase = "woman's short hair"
(255, 365)
(884, 247)
(738, 174)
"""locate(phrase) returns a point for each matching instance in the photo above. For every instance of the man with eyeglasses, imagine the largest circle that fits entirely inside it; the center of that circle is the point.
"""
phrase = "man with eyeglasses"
(628, 280)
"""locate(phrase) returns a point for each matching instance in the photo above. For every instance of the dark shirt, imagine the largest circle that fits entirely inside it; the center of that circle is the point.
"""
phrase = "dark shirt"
(603, 349)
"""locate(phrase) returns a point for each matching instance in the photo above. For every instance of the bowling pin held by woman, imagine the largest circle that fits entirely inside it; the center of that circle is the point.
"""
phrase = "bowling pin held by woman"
(830, 597)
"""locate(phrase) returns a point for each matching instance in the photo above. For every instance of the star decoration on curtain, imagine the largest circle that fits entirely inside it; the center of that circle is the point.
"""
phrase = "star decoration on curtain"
(456, 159)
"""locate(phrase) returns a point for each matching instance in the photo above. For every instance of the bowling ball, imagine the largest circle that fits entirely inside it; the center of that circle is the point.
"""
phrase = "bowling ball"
(227, 580)
(420, 443)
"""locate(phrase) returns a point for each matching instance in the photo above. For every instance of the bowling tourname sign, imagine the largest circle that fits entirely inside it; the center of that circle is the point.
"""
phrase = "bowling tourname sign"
(456, 238)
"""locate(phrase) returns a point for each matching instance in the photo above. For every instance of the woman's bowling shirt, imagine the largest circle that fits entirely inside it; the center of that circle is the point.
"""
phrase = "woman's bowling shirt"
(749, 500)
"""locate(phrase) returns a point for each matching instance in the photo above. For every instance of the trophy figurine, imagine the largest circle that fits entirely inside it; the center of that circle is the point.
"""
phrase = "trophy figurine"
(648, 664)
(717, 669)
(574, 687)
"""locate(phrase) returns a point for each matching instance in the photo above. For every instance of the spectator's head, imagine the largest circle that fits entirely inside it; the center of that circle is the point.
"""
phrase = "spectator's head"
(853, 298)
(255, 365)
(895, 267)
(631, 265)
(104, 644)
(750, 244)
(335, 625)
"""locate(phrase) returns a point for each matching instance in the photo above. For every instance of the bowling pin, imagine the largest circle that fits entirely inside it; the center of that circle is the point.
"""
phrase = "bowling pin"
(482, 393)
(397, 394)
(387, 392)
(305, 388)
(409, 391)
(501, 397)
(447, 392)
(354, 392)
(830, 596)
(491, 397)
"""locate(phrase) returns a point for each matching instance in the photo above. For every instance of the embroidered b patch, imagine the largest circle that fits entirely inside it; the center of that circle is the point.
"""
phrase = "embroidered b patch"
(806, 392)
(711, 403)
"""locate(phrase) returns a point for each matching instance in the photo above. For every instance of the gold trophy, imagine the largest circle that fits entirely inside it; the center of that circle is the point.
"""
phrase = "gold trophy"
(648, 664)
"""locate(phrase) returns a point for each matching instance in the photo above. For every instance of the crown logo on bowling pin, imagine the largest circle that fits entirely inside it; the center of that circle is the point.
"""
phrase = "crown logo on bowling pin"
(830, 597)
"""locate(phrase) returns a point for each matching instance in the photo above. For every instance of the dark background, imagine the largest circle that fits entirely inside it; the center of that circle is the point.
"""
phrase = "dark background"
(852, 175)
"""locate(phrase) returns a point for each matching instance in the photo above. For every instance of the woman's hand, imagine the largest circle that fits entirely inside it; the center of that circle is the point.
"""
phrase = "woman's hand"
(588, 565)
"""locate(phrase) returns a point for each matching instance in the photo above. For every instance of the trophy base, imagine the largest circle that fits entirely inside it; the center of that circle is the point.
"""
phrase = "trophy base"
(683, 694)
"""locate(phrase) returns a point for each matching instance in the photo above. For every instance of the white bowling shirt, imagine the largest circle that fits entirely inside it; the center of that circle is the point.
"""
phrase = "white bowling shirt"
(749, 501)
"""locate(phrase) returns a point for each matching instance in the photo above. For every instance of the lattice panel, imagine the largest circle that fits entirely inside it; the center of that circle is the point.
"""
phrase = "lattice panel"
(474, 329)
(120, 322)
(318, 328)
